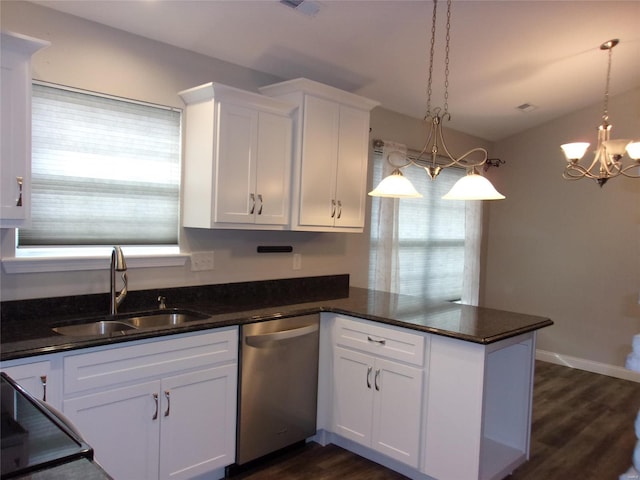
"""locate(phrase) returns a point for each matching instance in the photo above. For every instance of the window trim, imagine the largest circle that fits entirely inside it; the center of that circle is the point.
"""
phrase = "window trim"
(70, 259)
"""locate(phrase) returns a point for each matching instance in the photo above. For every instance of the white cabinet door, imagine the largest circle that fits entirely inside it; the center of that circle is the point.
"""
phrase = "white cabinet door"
(198, 411)
(334, 166)
(39, 379)
(396, 411)
(235, 200)
(123, 426)
(319, 152)
(273, 182)
(352, 395)
(377, 403)
(351, 176)
(15, 118)
(254, 165)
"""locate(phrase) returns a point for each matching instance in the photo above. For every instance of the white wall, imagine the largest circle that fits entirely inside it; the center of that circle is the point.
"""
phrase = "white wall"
(569, 250)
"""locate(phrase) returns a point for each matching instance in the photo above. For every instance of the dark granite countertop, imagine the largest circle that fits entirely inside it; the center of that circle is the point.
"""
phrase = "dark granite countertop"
(32, 335)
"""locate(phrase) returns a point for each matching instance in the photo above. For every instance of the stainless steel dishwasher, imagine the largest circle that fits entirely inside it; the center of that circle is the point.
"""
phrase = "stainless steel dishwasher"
(277, 398)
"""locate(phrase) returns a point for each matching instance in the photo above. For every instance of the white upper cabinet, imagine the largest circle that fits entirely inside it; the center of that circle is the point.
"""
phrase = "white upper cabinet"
(237, 165)
(15, 125)
(331, 150)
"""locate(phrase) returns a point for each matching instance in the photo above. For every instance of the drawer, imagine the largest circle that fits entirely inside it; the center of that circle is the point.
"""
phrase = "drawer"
(122, 364)
(381, 340)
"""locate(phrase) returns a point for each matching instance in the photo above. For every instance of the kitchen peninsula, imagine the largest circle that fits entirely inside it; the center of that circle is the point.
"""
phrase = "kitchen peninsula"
(459, 378)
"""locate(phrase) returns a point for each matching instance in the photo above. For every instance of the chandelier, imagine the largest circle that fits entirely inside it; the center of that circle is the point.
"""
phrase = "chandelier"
(472, 186)
(609, 154)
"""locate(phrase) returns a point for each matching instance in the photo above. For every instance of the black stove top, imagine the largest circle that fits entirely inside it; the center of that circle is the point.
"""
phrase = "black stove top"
(33, 436)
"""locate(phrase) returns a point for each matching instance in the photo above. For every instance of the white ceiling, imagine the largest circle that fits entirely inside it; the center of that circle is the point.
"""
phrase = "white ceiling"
(503, 53)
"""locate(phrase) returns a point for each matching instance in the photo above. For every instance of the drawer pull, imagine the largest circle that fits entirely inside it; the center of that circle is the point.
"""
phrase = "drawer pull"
(381, 341)
(369, 377)
(339, 208)
(252, 197)
(43, 381)
(167, 396)
(155, 415)
(375, 380)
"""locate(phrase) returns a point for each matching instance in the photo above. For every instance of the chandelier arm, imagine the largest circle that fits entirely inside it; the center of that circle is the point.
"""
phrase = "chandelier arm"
(629, 167)
(571, 170)
(596, 161)
(429, 137)
(458, 161)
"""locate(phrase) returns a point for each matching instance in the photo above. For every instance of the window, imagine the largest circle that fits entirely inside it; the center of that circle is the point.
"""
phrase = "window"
(105, 171)
(425, 236)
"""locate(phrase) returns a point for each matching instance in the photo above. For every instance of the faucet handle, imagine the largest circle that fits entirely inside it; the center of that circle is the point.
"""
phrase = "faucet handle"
(162, 302)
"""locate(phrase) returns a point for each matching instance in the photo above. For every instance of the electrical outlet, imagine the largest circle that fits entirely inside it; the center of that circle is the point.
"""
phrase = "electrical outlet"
(201, 261)
(297, 261)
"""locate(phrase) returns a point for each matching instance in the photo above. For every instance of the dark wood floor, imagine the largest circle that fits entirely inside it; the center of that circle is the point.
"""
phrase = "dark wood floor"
(582, 429)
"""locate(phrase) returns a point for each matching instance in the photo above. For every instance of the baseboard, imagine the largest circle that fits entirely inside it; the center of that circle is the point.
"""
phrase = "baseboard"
(588, 365)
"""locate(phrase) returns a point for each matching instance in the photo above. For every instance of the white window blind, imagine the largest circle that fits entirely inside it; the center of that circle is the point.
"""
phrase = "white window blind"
(430, 236)
(105, 171)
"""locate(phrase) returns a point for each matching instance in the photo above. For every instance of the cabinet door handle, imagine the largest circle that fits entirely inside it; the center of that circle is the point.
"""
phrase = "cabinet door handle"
(168, 397)
(381, 341)
(20, 181)
(339, 208)
(43, 381)
(375, 380)
(260, 200)
(252, 197)
(333, 208)
(369, 377)
(155, 414)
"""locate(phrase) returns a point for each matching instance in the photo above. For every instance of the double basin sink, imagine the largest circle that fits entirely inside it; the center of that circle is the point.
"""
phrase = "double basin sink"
(124, 323)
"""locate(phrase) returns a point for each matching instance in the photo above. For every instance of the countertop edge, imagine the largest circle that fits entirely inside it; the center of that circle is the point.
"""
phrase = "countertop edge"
(252, 316)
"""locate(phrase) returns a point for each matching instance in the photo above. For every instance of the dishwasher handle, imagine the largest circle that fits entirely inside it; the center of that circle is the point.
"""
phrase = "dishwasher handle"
(268, 339)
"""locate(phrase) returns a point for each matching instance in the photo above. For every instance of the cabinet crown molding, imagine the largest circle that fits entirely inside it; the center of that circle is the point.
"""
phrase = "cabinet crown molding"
(318, 89)
(218, 91)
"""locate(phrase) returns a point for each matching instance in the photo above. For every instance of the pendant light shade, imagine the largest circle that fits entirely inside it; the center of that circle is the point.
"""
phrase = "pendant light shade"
(395, 185)
(473, 186)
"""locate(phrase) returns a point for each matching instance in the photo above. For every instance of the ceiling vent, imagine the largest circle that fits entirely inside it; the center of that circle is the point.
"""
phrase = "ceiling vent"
(526, 107)
(306, 7)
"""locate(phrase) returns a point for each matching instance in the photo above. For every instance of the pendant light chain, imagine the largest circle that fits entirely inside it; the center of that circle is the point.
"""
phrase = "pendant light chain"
(431, 52)
(446, 60)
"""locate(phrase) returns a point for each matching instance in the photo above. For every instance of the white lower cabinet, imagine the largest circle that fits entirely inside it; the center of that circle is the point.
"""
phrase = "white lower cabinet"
(377, 403)
(377, 388)
(165, 409)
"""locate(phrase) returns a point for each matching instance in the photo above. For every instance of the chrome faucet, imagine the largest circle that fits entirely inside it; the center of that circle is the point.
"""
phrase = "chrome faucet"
(117, 265)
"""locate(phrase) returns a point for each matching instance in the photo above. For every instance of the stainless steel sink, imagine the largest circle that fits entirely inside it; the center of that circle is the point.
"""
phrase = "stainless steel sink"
(130, 322)
(168, 319)
(102, 327)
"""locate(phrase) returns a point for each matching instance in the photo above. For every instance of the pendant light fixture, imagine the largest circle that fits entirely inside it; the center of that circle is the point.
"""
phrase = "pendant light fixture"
(609, 154)
(472, 186)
